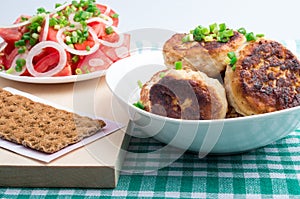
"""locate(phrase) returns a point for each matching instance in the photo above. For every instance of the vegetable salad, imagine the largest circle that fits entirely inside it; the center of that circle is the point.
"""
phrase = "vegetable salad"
(75, 38)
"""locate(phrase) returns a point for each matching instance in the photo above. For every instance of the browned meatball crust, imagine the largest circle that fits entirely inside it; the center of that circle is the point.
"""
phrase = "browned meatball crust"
(184, 94)
(266, 78)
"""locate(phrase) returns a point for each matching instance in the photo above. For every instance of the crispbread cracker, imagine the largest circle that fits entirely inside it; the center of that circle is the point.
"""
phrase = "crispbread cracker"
(40, 126)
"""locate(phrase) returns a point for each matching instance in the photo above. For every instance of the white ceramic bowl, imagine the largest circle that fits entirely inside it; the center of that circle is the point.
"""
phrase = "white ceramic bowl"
(224, 136)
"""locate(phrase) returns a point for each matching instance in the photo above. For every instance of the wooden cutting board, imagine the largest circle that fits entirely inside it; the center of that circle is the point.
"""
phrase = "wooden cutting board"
(95, 165)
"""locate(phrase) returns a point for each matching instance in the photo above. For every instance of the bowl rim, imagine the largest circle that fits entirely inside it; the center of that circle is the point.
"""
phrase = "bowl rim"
(223, 120)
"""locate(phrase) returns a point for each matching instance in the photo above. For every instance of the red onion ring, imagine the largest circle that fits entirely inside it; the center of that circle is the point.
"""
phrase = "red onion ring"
(3, 46)
(107, 11)
(100, 19)
(61, 7)
(46, 28)
(17, 25)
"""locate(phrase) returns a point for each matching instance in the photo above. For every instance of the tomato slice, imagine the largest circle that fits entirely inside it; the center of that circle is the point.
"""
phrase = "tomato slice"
(47, 62)
(72, 63)
(45, 52)
(67, 71)
(113, 37)
(117, 53)
(10, 58)
(84, 45)
(21, 18)
(52, 34)
(7, 62)
(94, 62)
(98, 27)
(10, 35)
(26, 73)
(111, 14)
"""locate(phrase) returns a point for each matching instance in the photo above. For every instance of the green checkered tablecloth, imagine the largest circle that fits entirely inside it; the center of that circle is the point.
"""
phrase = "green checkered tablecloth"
(269, 172)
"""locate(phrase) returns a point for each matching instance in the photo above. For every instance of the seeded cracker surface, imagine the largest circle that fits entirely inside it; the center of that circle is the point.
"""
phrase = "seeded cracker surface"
(40, 126)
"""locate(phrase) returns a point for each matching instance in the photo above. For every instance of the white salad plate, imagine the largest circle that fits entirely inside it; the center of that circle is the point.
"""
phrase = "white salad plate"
(53, 80)
(222, 136)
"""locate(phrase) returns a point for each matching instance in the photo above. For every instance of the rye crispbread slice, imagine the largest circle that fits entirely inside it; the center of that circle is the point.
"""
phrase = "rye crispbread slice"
(40, 126)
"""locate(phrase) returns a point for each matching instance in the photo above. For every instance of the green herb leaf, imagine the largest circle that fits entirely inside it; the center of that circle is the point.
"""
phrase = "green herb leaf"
(139, 105)
(216, 32)
(259, 35)
(162, 75)
(178, 65)
(109, 30)
(140, 83)
(233, 60)
(250, 36)
(115, 16)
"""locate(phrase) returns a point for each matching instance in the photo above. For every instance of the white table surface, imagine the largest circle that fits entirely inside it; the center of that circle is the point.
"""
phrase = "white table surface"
(276, 19)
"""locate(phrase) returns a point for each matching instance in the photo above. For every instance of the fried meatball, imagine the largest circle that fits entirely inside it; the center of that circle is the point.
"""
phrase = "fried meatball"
(208, 57)
(184, 94)
(266, 78)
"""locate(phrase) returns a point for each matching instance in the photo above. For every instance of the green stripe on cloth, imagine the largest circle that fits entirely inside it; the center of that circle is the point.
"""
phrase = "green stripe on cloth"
(267, 172)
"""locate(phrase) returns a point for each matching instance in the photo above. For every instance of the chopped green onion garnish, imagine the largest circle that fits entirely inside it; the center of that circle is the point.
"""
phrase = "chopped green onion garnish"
(205, 31)
(71, 45)
(242, 31)
(228, 33)
(20, 43)
(208, 38)
(109, 30)
(187, 38)
(222, 27)
(250, 36)
(88, 48)
(41, 10)
(86, 70)
(68, 40)
(162, 75)
(178, 65)
(216, 32)
(33, 41)
(2, 68)
(259, 35)
(10, 70)
(24, 18)
(26, 36)
(139, 104)
(22, 50)
(35, 35)
(52, 22)
(140, 83)
(233, 60)
(18, 68)
(21, 62)
(233, 67)
(78, 71)
(230, 55)
(57, 26)
(115, 16)
(57, 5)
(75, 58)
(213, 28)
